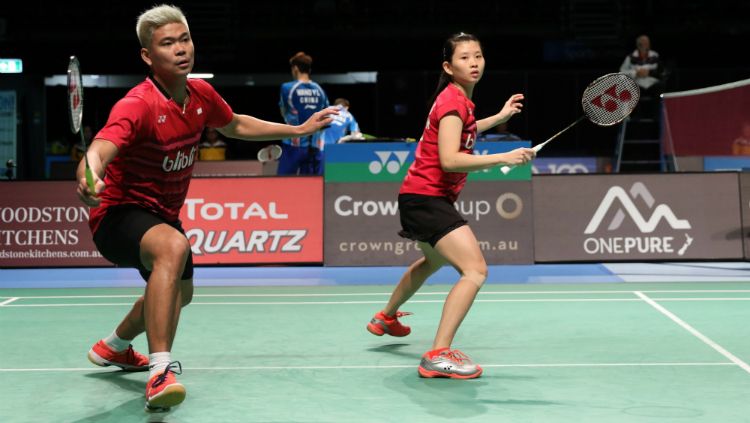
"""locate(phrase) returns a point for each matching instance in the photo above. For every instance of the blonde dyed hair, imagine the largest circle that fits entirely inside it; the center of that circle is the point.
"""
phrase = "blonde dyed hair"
(157, 17)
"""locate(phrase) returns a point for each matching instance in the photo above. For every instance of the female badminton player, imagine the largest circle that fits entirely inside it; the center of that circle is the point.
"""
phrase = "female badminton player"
(426, 205)
(142, 162)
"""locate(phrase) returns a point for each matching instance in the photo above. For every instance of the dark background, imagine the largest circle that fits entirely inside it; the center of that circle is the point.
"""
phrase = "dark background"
(548, 50)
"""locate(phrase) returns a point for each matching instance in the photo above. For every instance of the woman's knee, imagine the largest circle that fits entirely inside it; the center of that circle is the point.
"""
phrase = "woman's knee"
(477, 274)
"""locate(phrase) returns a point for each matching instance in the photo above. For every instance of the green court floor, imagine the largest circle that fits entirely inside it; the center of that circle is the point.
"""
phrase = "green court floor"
(665, 352)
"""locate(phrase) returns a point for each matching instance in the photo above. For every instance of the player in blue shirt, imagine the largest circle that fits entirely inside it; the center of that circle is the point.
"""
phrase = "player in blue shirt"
(343, 125)
(299, 100)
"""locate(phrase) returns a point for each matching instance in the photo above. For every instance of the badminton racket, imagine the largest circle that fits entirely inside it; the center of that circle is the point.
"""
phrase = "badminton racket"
(607, 101)
(269, 153)
(75, 109)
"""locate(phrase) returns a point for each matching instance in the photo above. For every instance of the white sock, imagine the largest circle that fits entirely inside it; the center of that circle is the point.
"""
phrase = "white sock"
(157, 362)
(116, 343)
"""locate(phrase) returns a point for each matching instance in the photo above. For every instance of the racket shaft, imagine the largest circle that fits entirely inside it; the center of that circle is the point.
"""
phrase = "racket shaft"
(536, 148)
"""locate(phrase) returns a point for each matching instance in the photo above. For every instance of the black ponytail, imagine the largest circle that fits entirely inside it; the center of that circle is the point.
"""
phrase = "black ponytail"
(448, 48)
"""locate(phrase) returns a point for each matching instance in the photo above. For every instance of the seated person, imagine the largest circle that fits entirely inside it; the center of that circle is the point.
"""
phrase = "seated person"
(212, 147)
(643, 65)
(343, 128)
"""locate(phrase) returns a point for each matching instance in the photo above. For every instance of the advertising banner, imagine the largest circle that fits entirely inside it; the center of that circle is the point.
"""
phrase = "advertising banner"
(388, 162)
(636, 217)
(362, 223)
(258, 220)
(43, 224)
(726, 163)
(560, 165)
(744, 231)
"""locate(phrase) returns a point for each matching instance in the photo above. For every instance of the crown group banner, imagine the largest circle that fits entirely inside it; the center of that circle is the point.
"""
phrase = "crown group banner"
(361, 206)
(289, 220)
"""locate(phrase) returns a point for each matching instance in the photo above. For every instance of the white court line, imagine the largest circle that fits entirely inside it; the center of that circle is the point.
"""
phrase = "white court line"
(694, 331)
(520, 300)
(335, 302)
(367, 294)
(394, 366)
(8, 301)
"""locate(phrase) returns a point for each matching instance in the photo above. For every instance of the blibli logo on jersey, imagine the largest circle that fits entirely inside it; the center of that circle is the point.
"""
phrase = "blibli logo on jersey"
(385, 161)
(470, 141)
(180, 161)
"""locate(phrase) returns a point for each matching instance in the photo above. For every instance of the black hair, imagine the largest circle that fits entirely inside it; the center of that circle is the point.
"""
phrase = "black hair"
(302, 61)
(448, 48)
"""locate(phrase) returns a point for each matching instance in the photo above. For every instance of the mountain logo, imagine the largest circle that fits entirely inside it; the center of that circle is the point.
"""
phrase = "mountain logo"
(628, 207)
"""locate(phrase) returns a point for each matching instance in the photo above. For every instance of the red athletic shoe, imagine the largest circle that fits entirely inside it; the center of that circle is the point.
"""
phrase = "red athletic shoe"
(129, 360)
(163, 391)
(382, 324)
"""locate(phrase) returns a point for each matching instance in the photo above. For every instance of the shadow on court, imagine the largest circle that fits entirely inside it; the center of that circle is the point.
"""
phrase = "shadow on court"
(131, 410)
(122, 380)
(395, 350)
(443, 398)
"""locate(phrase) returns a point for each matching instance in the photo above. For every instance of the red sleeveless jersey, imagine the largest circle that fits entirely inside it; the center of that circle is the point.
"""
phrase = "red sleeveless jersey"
(425, 175)
(157, 141)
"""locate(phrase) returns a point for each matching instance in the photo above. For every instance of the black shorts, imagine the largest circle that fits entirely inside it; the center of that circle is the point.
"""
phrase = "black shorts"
(119, 236)
(426, 218)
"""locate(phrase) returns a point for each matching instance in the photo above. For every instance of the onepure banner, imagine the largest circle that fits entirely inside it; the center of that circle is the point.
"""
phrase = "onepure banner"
(636, 217)
(362, 223)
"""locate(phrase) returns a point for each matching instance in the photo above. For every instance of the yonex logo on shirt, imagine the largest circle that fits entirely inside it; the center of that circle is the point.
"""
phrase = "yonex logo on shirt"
(162, 118)
(384, 161)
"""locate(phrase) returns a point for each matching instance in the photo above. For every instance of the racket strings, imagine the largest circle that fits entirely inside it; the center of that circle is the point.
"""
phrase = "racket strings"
(75, 94)
(610, 99)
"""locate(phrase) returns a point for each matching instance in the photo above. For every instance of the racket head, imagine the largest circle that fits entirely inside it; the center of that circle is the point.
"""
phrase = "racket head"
(609, 99)
(75, 94)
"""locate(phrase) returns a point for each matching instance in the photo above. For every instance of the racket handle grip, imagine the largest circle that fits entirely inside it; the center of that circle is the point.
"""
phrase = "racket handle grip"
(505, 169)
(90, 181)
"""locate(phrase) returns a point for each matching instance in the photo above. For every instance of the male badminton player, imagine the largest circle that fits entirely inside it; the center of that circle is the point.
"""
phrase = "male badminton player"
(142, 161)
(432, 185)
(299, 99)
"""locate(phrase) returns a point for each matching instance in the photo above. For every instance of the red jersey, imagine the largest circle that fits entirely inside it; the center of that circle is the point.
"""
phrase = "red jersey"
(425, 175)
(157, 141)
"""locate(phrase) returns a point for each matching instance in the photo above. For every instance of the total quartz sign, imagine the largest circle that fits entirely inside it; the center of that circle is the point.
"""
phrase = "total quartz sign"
(258, 220)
